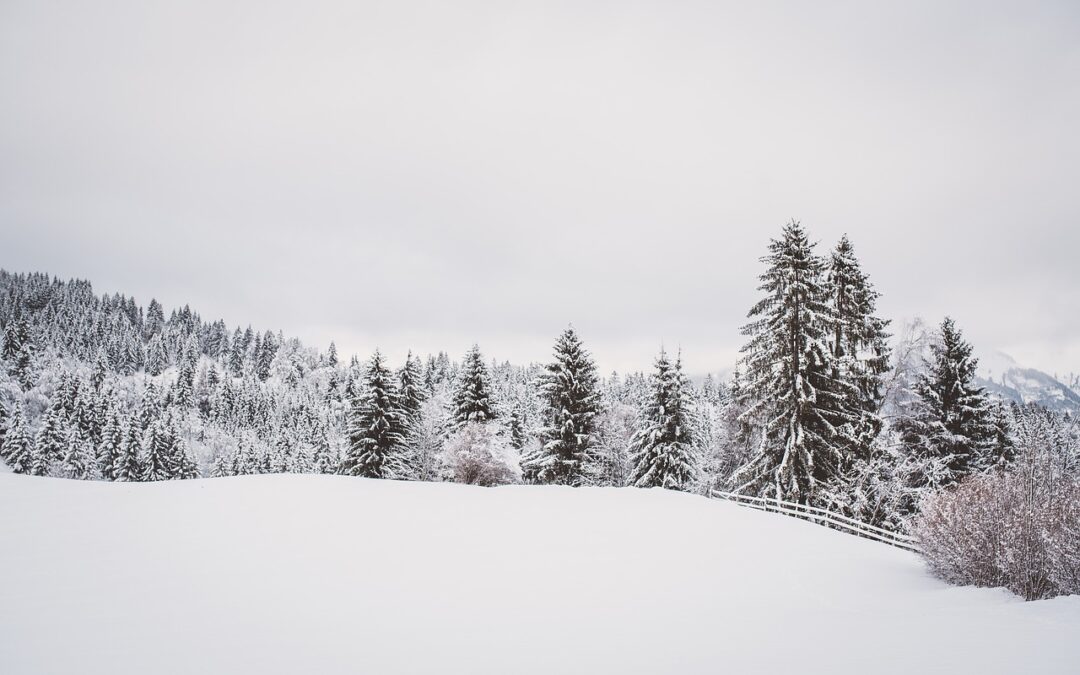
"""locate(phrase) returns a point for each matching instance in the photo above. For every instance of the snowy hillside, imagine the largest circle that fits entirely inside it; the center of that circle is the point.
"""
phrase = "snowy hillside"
(1001, 375)
(324, 574)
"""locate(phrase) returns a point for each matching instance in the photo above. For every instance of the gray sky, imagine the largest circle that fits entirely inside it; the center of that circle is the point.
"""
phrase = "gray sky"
(426, 175)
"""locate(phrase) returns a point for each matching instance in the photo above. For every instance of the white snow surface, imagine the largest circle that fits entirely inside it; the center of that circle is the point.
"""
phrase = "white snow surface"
(326, 574)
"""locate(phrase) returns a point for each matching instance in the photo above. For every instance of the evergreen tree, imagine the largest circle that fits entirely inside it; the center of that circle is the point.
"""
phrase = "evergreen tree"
(156, 359)
(331, 355)
(183, 389)
(411, 393)
(132, 357)
(155, 319)
(264, 356)
(183, 464)
(236, 354)
(1002, 448)
(859, 342)
(110, 450)
(949, 421)
(157, 453)
(376, 425)
(791, 388)
(149, 408)
(79, 458)
(516, 427)
(571, 402)
(472, 396)
(100, 371)
(17, 448)
(663, 451)
(18, 351)
(127, 466)
(325, 461)
(52, 439)
(16, 335)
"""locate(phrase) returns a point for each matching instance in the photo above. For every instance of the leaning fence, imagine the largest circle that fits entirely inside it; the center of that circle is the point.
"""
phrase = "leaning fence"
(821, 516)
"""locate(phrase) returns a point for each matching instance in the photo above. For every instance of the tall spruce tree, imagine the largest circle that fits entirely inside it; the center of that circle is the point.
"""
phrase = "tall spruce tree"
(110, 449)
(568, 389)
(472, 394)
(859, 342)
(4, 416)
(183, 463)
(18, 351)
(52, 439)
(156, 358)
(794, 396)
(376, 424)
(157, 452)
(663, 450)
(18, 447)
(411, 394)
(79, 461)
(950, 429)
(128, 467)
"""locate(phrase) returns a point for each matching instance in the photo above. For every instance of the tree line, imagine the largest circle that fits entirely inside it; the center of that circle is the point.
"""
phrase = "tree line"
(824, 408)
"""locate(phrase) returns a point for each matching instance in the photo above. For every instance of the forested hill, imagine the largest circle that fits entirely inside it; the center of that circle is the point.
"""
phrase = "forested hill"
(86, 370)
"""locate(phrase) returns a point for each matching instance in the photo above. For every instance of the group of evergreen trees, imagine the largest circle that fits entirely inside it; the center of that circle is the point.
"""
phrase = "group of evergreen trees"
(96, 387)
(812, 387)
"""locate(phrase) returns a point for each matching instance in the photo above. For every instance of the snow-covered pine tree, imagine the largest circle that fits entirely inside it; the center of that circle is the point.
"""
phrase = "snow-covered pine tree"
(376, 428)
(110, 449)
(264, 356)
(184, 466)
(949, 421)
(568, 388)
(3, 426)
(472, 394)
(149, 408)
(331, 355)
(100, 371)
(18, 350)
(236, 353)
(155, 319)
(156, 359)
(515, 426)
(663, 451)
(859, 342)
(18, 447)
(325, 460)
(1002, 447)
(411, 394)
(79, 461)
(793, 397)
(128, 466)
(157, 453)
(52, 438)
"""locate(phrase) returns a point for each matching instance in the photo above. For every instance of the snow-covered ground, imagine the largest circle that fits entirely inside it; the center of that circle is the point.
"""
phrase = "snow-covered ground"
(321, 574)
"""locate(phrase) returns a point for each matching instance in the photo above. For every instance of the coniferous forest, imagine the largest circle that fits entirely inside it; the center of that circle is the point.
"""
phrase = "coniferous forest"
(830, 405)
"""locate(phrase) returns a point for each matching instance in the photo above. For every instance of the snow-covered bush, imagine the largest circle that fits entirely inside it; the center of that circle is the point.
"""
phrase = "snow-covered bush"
(1018, 528)
(478, 454)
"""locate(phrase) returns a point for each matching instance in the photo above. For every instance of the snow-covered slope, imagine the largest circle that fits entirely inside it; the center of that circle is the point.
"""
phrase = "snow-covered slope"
(1000, 374)
(320, 574)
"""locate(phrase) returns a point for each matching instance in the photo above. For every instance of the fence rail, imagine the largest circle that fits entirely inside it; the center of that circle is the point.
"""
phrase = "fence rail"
(820, 516)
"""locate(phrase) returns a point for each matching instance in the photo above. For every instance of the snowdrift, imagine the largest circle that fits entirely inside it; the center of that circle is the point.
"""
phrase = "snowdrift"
(322, 574)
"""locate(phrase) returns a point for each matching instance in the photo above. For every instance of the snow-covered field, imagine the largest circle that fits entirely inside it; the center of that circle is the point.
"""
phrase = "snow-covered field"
(321, 574)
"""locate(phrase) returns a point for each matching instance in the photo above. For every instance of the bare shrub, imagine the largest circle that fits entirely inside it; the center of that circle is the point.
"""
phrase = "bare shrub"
(1018, 528)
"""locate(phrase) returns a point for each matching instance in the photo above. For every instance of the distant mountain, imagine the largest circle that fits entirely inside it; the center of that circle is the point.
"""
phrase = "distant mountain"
(1001, 375)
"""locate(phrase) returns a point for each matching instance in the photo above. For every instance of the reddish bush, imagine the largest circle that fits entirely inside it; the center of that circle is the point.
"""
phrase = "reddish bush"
(1018, 528)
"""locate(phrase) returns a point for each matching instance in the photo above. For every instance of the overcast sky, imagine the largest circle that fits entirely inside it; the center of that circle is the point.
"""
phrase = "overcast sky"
(426, 175)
